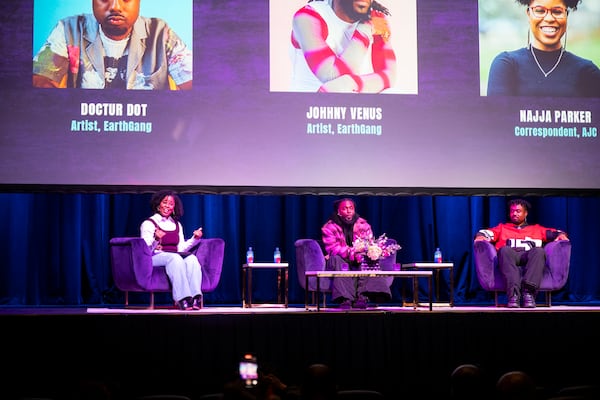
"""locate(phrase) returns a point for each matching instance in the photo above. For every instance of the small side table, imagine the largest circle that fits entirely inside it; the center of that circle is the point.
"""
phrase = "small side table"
(282, 282)
(437, 267)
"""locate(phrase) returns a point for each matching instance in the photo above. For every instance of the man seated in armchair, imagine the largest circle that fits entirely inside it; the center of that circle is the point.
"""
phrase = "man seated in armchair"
(339, 233)
(521, 257)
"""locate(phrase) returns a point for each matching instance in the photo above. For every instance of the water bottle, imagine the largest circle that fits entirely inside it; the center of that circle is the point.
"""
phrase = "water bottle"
(250, 255)
(277, 255)
(437, 255)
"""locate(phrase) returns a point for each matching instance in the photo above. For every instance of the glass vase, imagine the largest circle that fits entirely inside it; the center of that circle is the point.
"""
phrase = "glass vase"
(370, 265)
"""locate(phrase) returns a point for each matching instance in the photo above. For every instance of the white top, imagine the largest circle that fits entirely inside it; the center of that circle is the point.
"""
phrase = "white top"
(167, 224)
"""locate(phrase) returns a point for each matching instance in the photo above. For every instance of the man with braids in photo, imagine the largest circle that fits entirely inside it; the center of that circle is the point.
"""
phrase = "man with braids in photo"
(342, 46)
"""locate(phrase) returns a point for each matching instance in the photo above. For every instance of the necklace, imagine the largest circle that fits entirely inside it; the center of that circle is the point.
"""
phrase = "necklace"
(562, 50)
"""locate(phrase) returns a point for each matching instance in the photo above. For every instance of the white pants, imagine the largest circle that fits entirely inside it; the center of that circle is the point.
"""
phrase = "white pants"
(185, 274)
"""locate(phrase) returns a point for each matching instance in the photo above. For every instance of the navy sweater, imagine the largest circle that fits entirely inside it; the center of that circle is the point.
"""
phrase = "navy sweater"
(515, 73)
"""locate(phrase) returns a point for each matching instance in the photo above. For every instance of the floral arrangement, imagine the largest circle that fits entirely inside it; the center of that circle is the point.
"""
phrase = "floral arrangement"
(375, 248)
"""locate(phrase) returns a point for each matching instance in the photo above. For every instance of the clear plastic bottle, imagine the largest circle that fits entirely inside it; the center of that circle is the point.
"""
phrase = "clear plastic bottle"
(250, 255)
(437, 255)
(277, 255)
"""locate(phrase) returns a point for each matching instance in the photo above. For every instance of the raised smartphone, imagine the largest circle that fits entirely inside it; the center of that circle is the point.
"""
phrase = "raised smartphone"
(249, 370)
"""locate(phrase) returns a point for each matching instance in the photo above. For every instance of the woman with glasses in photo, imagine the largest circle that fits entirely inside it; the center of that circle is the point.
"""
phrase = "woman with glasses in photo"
(544, 67)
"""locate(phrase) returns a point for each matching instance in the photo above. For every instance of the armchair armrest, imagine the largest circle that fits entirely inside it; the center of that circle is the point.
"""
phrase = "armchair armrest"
(309, 257)
(131, 261)
(558, 260)
(486, 259)
(210, 253)
(387, 263)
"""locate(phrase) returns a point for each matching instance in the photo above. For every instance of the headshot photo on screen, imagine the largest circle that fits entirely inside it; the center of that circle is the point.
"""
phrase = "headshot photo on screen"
(548, 48)
(343, 46)
(113, 44)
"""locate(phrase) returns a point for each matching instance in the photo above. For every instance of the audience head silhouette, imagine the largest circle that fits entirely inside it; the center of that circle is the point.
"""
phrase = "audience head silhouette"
(467, 383)
(515, 385)
(319, 383)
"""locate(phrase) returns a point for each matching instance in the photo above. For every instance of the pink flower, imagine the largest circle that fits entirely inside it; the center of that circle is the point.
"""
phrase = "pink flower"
(73, 52)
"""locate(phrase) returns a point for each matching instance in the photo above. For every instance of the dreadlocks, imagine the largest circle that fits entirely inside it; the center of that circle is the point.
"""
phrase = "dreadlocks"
(375, 6)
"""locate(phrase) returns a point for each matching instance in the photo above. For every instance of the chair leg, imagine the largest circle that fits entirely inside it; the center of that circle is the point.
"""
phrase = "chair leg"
(152, 300)
(126, 299)
(548, 298)
(496, 298)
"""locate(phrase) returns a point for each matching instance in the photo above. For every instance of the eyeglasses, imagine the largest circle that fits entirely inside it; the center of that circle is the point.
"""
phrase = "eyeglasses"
(540, 12)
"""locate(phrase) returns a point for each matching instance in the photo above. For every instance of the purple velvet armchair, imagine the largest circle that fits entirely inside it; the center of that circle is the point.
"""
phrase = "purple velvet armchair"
(558, 260)
(132, 270)
(309, 257)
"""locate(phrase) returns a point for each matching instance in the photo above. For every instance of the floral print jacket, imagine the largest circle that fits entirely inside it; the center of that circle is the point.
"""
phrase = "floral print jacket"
(334, 241)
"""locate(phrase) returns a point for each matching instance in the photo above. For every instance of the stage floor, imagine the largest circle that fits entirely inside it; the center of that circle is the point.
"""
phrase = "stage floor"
(278, 309)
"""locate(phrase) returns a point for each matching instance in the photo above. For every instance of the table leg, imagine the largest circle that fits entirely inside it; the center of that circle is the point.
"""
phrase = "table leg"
(285, 275)
(318, 293)
(279, 287)
(415, 292)
(429, 287)
(244, 269)
(249, 288)
(452, 287)
(306, 292)
(437, 284)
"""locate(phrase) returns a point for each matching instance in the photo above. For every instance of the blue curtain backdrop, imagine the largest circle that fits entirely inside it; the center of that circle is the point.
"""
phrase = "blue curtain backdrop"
(58, 242)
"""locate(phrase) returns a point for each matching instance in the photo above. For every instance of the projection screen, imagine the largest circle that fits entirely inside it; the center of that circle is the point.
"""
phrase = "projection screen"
(242, 128)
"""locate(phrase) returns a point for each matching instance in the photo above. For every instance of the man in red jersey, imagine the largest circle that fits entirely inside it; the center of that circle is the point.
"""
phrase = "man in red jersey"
(521, 257)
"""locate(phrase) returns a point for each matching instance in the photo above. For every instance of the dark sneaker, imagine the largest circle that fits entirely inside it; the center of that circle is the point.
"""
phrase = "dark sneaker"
(197, 302)
(185, 304)
(346, 304)
(528, 300)
(513, 301)
(361, 302)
